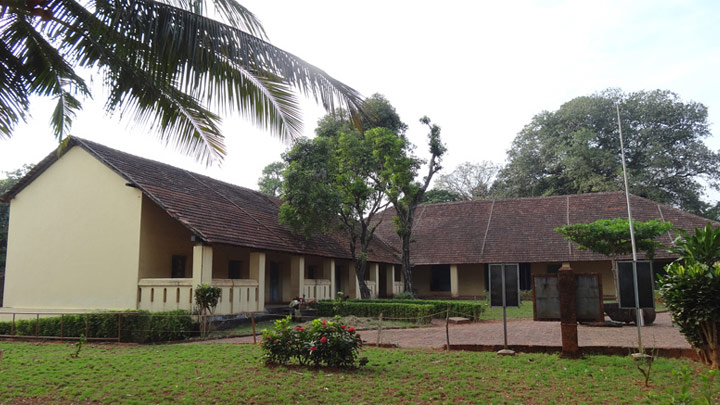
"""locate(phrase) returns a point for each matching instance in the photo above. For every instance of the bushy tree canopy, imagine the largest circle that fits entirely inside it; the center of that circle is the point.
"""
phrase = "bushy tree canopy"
(272, 178)
(576, 149)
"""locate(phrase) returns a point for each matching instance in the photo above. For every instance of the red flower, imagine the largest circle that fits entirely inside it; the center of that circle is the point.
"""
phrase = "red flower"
(312, 349)
(300, 328)
(275, 341)
(324, 322)
(351, 329)
(323, 339)
(342, 326)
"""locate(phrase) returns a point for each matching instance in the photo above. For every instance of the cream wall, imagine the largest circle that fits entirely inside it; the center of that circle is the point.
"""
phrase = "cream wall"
(161, 237)
(73, 241)
(471, 280)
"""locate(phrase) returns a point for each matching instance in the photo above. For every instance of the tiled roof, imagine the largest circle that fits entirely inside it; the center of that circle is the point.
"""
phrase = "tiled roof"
(521, 229)
(215, 211)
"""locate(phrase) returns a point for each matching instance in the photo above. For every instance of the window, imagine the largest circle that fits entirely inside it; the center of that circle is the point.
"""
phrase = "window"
(525, 277)
(312, 271)
(398, 273)
(235, 269)
(440, 277)
(177, 269)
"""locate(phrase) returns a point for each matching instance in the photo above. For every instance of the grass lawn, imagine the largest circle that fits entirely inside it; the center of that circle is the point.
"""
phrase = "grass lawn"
(525, 310)
(191, 373)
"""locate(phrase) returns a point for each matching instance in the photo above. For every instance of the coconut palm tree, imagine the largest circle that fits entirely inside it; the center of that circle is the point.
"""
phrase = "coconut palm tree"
(165, 63)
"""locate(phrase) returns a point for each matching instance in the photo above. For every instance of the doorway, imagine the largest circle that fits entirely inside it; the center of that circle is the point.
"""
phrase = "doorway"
(274, 282)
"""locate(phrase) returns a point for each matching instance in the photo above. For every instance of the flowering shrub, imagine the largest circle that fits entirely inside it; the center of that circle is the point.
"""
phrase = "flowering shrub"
(324, 343)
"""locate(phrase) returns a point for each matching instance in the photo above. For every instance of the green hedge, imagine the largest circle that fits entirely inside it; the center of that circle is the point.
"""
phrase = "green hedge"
(136, 326)
(465, 309)
(370, 308)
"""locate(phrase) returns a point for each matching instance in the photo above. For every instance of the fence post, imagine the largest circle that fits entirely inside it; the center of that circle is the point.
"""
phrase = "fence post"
(12, 332)
(252, 320)
(119, 329)
(379, 329)
(87, 325)
(37, 324)
(62, 326)
(447, 328)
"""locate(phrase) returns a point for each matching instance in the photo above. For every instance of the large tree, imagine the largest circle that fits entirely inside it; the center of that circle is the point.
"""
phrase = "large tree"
(272, 178)
(576, 149)
(332, 183)
(165, 63)
(400, 170)
(471, 181)
(338, 180)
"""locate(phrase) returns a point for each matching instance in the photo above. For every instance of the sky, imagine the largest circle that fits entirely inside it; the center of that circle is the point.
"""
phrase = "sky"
(480, 70)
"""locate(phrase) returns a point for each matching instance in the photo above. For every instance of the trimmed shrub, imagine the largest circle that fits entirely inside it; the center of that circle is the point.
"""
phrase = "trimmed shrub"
(467, 309)
(692, 295)
(324, 343)
(370, 308)
(136, 326)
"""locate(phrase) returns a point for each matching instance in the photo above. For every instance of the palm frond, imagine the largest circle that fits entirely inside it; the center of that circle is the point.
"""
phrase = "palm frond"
(13, 95)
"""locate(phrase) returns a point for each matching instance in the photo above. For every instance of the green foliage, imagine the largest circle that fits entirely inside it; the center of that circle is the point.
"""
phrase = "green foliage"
(467, 309)
(681, 390)
(611, 237)
(324, 343)
(404, 295)
(421, 313)
(207, 297)
(439, 196)
(576, 149)
(338, 181)
(701, 247)
(691, 293)
(136, 326)
(173, 65)
(272, 179)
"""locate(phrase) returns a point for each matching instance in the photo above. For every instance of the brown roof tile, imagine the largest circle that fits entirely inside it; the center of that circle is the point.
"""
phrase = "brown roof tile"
(215, 211)
(521, 229)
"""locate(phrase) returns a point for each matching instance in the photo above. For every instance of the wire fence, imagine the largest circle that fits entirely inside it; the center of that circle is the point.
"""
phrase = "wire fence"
(145, 327)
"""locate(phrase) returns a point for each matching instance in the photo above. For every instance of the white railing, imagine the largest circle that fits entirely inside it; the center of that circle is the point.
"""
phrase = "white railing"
(397, 287)
(237, 296)
(165, 294)
(168, 294)
(317, 289)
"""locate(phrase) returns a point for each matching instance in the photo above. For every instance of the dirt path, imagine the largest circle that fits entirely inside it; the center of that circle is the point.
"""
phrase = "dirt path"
(523, 332)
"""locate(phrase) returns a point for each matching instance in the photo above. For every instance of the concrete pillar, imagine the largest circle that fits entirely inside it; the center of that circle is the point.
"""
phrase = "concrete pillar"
(202, 264)
(257, 272)
(374, 269)
(454, 280)
(354, 281)
(390, 280)
(297, 276)
(568, 319)
(329, 274)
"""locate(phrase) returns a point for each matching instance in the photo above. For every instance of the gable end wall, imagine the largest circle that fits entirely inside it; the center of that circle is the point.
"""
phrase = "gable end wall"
(74, 236)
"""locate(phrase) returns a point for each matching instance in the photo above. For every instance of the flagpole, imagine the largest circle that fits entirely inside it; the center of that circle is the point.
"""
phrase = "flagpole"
(638, 313)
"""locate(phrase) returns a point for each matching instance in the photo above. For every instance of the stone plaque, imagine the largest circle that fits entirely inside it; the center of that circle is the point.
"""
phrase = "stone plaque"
(588, 298)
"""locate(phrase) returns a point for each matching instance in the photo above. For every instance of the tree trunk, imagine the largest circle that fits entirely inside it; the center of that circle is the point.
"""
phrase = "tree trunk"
(360, 269)
(406, 269)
